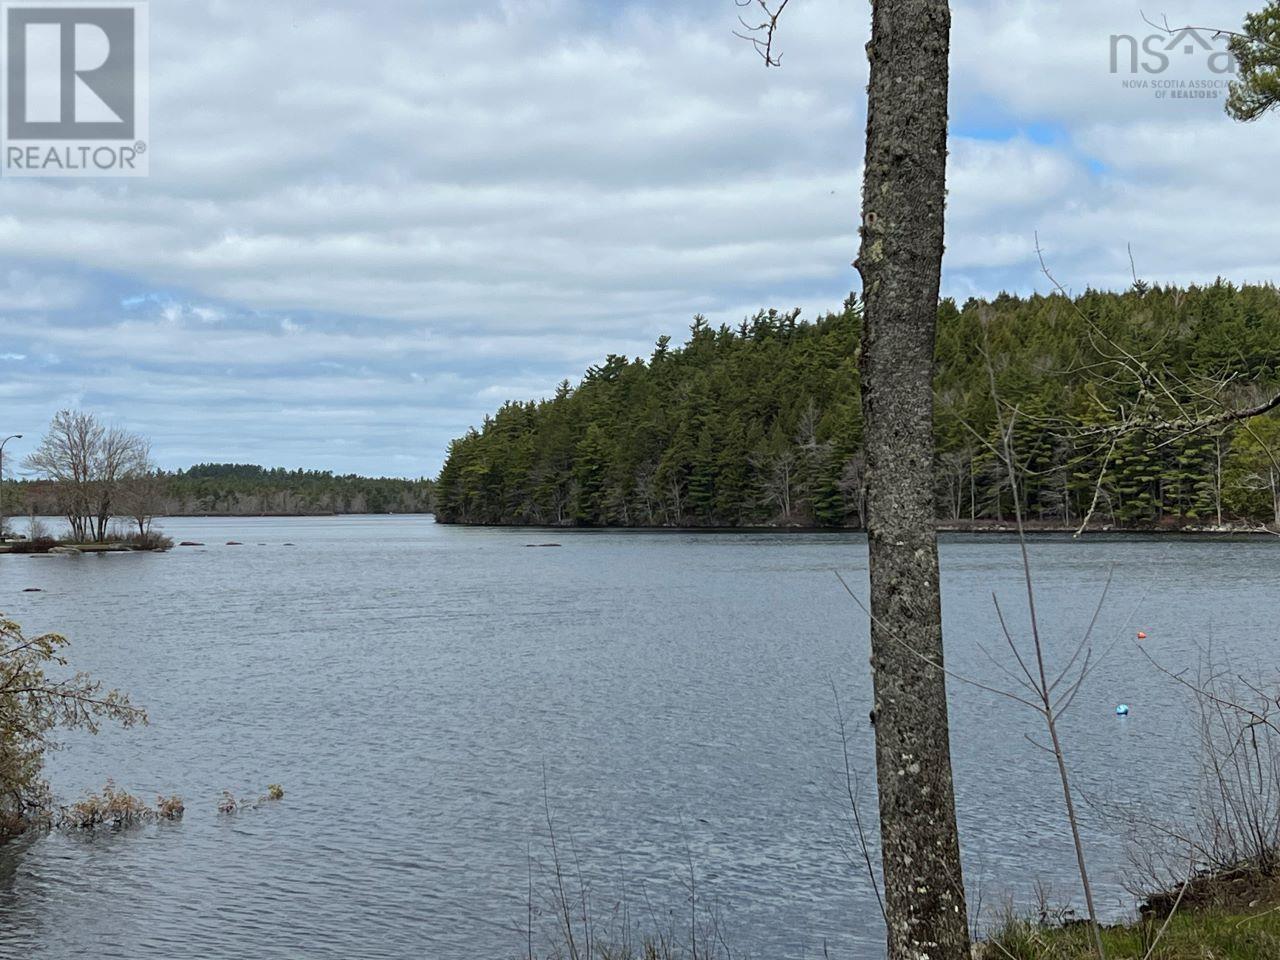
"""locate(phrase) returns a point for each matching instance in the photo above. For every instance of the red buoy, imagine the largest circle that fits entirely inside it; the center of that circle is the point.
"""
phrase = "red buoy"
(1141, 635)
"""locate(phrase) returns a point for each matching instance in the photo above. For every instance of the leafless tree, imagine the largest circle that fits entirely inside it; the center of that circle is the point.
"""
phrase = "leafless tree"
(87, 461)
(66, 457)
(958, 480)
(141, 497)
(646, 486)
(1051, 695)
(777, 470)
(122, 456)
(853, 484)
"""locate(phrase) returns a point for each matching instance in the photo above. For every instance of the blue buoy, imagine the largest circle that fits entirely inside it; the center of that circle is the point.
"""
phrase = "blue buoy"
(1122, 710)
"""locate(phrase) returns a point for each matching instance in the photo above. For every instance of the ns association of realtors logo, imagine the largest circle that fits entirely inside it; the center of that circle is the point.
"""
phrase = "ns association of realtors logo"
(74, 88)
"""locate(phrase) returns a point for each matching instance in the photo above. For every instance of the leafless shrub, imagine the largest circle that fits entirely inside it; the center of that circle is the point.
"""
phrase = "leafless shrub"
(150, 539)
(112, 807)
(37, 545)
(1238, 801)
(229, 803)
(1232, 835)
(117, 808)
(36, 529)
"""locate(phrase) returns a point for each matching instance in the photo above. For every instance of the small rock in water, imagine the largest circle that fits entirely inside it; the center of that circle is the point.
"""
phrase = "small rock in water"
(234, 543)
(33, 590)
(541, 546)
(190, 543)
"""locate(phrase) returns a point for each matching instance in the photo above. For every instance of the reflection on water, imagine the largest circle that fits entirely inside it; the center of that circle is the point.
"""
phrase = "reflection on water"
(408, 684)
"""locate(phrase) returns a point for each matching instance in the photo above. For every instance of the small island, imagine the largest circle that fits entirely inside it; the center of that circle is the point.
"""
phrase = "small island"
(103, 482)
(48, 546)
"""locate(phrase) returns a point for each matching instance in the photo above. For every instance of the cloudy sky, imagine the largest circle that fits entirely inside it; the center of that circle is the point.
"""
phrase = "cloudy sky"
(368, 224)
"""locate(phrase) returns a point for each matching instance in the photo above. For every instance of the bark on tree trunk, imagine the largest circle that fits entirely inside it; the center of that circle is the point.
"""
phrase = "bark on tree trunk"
(900, 262)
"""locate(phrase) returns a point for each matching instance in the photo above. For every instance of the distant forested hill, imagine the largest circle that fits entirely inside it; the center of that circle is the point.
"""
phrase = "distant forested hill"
(235, 489)
(761, 424)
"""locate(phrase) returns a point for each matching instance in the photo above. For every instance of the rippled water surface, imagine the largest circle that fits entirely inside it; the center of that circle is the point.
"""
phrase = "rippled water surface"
(410, 685)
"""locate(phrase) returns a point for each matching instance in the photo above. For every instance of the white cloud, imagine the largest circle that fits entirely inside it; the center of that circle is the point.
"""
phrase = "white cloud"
(27, 291)
(486, 199)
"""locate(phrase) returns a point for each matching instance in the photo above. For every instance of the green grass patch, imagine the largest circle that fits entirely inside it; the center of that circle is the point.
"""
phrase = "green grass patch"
(1204, 935)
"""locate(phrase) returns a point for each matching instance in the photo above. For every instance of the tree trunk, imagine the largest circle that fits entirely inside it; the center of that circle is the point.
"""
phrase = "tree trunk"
(1275, 500)
(900, 262)
(1217, 478)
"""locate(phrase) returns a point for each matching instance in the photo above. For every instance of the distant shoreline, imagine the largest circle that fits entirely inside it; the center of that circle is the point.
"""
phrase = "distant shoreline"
(288, 515)
(1034, 527)
(944, 526)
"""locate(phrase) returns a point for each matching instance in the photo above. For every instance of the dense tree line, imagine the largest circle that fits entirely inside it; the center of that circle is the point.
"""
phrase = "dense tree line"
(213, 489)
(220, 487)
(760, 424)
(245, 488)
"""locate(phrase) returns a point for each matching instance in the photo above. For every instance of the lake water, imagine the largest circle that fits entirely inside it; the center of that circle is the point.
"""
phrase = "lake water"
(412, 685)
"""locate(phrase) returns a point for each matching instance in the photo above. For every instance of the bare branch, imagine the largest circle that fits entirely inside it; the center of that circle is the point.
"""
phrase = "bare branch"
(927, 660)
(1164, 27)
(1186, 423)
(761, 35)
(853, 804)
